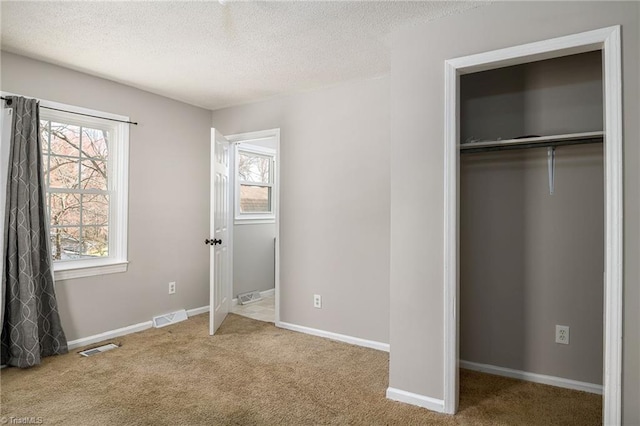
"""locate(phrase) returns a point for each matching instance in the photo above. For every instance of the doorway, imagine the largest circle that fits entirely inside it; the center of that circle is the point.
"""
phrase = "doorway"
(608, 41)
(254, 226)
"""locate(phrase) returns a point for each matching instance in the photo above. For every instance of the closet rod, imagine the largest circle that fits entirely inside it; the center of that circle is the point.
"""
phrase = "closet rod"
(590, 138)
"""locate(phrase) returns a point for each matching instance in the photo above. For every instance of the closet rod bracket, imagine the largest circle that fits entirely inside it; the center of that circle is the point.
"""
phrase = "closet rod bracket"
(551, 163)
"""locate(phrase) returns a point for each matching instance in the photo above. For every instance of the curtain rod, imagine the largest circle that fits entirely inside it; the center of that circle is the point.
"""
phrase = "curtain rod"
(77, 113)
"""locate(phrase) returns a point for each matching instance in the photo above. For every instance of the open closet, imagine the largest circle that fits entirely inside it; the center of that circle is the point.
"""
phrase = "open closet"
(531, 229)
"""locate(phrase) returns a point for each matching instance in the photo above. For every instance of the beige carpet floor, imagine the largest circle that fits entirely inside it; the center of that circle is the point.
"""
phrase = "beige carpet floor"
(252, 373)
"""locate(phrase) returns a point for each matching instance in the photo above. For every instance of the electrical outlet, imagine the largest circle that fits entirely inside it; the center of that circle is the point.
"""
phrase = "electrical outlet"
(172, 287)
(562, 334)
(317, 301)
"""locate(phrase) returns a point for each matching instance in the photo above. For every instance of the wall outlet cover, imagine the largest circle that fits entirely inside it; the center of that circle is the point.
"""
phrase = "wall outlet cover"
(562, 334)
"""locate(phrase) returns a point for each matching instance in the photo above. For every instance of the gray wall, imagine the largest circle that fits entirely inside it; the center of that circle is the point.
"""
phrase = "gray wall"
(564, 95)
(530, 260)
(417, 178)
(556, 96)
(334, 203)
(168, 200)
(253, 257)
(492, 104)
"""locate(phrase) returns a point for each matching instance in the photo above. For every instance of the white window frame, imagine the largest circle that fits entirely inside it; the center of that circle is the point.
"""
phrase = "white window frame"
(118, 185)
(247, 218)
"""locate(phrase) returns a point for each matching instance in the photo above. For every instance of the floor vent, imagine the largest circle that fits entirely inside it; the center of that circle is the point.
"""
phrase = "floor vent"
(246, 298)
(99, 349)
(168, 319)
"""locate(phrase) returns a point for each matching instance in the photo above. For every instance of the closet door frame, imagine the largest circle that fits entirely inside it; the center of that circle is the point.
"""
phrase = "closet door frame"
(608, 41)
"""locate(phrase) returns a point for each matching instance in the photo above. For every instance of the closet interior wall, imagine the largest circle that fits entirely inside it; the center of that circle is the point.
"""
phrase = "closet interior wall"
(530, 260)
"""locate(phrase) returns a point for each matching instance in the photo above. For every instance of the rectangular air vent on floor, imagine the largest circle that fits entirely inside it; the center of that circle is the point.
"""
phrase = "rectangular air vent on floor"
(172, 318)
(250, 297)
(99, 349)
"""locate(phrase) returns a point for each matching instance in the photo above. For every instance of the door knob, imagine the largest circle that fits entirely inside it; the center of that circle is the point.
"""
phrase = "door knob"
(212, 242)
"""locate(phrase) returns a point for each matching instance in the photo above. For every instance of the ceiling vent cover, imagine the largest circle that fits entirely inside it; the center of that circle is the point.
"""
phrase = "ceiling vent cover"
(172, 318)
(250, 297)
(99, 349)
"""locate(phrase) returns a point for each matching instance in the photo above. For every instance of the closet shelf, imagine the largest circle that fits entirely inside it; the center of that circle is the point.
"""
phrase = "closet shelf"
(535, 142)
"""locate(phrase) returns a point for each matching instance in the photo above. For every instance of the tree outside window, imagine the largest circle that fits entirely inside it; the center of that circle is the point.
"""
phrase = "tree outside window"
(76, 175)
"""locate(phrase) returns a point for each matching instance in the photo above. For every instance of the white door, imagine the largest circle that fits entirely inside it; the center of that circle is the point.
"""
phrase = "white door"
(218, 241)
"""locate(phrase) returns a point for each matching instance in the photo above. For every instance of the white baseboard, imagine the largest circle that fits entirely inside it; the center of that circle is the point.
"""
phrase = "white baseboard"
(266, 293)
(533, 377)
(109, 334)
(427, 402)
(197, 311)
(125, 330)
(335, 336)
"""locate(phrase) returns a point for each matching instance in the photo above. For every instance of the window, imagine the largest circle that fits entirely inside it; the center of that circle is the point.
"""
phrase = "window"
(85, 174)
(255, 175)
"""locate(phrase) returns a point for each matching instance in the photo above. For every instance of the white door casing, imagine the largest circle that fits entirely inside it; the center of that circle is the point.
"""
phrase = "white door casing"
(259, 135)
(220, 233)
(607, 40)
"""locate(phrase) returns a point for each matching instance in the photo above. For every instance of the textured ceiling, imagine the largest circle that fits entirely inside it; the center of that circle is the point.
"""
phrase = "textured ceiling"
(214, 55)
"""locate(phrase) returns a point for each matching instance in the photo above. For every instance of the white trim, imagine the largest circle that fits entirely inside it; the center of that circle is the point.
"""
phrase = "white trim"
(90, 271)
(72, 108)
(546, 49)
(272, 155)
(255, 149)
(451, 252)
(253, 221)
(276, 289)
(197, 311)
(335, 336)
(427, 402)
(118, 164)
(109, 334)
(266, 293)
(533, 377)
(119, 205)
(84, 341)
(254, 136)
(614, 222)
(608, 40)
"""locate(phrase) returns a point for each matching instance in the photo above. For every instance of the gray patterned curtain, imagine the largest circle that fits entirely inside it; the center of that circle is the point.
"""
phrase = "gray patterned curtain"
(31, 326)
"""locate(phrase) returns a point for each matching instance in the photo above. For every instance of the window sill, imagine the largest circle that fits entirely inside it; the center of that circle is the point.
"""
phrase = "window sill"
(69, 272)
